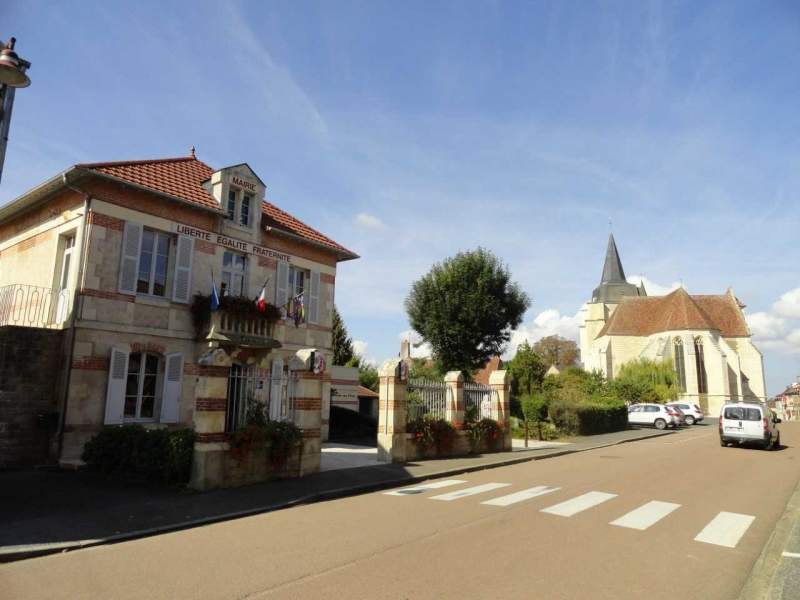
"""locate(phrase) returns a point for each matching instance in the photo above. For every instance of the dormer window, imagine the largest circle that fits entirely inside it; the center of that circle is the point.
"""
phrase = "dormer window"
(244, 213)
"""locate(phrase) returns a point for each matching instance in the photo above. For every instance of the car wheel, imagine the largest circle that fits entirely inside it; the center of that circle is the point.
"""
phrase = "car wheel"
(660, 423)
(722, 442)
(690, 420)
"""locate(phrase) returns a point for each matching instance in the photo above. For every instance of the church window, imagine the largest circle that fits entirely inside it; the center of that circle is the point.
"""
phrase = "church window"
(702, 379)
(680, 365)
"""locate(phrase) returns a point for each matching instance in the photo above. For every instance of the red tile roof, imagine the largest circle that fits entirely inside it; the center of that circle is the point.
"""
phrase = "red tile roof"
(493, 364)
(364, 392)
(183, 178)
(677, 311)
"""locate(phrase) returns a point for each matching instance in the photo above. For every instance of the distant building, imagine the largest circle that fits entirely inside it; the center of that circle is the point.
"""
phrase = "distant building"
(787, 403)
(493, 364)
(706, 337)
(553, 370)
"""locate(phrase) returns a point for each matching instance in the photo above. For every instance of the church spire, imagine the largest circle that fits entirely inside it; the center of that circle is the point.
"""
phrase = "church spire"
(613, 285)
(612, 269)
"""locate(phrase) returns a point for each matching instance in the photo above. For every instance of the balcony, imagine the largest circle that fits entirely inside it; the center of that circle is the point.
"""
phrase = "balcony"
(24, 305)
(235, 323)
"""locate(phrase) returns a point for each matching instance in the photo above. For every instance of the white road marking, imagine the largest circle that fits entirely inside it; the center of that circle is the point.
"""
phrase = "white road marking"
(791, 554)
(478, 489)
(421, 489)
(726, 529)
(579, 504)
(646, 515)
(539, 490)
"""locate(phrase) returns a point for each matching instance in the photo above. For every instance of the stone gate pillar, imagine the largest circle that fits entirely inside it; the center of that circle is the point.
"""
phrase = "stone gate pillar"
(211, 391)
(392, 412)
(454, 380)
(308, 406)
(500, 382)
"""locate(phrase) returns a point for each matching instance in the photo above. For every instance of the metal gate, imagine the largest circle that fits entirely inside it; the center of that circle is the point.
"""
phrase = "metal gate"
(480, 396)
(426, 398)
(252, 389)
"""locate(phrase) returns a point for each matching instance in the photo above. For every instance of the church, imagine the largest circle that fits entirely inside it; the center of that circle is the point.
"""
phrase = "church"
(705, 336)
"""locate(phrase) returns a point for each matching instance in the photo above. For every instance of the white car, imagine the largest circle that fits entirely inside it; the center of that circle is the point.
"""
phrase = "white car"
(692, 411)
(743, 422)
(656, 415)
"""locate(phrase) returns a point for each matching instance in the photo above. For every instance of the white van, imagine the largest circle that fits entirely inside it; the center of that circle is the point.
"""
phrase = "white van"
(744, 422)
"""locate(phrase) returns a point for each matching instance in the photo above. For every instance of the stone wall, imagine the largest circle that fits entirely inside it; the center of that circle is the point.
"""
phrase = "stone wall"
(31, 374)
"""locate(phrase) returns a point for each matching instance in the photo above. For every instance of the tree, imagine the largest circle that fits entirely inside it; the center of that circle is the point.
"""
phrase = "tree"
(423, 368)
(367, 374)
(527, 370)
(558, 351)
(534, 412)
(465, 307)
(646, 380)
(342, 344)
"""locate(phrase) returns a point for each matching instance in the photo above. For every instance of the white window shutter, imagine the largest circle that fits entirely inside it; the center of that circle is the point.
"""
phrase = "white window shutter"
(115, 392)
(276, 390)
(171, 396)
(182, 281)
(313, 298)
(282, 286)
(129, 264)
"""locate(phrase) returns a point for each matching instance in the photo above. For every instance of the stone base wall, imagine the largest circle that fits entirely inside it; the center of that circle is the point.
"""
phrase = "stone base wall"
(31, 373)
(214, 466)
(460, 447)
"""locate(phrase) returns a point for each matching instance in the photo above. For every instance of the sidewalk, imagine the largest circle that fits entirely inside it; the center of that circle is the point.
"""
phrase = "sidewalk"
(776, 573)
(44, 512)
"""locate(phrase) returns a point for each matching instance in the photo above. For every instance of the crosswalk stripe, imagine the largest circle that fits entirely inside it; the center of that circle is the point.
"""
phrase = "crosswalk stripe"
(646, 515)
(421, 489)
(478, 489)
(572, 507)
(726, 529)
(539, 490)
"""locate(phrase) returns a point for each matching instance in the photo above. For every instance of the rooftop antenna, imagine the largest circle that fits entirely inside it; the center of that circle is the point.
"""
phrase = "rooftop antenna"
(192, 151)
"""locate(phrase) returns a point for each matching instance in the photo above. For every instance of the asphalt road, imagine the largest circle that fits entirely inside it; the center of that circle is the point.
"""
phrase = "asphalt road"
(662, 493)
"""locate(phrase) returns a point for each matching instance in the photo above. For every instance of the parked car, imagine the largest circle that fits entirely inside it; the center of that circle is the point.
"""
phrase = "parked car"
(753, 422)
(656, 415)
(692, 412)
(677, 414)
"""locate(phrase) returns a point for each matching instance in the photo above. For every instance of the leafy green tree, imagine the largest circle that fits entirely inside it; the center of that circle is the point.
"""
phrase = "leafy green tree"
(343, 351)
(646, 380)
(367, 374)
(527, 370)
(558, 351)
(423, 368)
(534, 412)
(466, 307)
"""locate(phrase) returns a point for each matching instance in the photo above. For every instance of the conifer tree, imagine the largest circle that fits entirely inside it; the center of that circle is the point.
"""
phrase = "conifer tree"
(343, 351)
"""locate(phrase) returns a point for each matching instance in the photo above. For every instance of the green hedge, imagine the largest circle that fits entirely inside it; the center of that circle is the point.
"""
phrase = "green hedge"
(133, 452)
(588, 418)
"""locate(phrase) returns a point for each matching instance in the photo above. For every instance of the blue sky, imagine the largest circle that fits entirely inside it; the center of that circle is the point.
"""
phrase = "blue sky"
(409, 131)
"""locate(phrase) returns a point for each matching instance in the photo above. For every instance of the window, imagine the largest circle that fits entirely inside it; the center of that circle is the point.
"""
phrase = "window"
(231, 209)
(144, 370)
(680, 366)
(244, 213)
(153, 259)
(702, 380)
(233, 270)
(297, 278)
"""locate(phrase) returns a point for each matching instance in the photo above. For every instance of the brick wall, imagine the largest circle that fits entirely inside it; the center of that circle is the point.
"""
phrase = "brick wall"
(30, 374)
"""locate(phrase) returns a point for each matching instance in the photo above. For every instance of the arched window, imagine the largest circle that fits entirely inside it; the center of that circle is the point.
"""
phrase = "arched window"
(145, 370)
(680, 365)
(702, 380)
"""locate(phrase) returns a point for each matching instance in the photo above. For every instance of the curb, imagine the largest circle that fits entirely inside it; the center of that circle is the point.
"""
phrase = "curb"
(15, 553)
(761, 583)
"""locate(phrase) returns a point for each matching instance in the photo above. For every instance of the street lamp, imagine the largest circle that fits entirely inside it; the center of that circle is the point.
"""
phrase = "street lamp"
(12, 76)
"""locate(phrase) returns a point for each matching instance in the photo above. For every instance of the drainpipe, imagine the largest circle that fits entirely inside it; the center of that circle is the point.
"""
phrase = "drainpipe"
(87, 200)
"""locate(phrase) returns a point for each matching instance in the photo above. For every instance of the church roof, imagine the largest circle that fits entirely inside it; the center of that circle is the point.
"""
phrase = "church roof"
(613, 285)
(677, 311)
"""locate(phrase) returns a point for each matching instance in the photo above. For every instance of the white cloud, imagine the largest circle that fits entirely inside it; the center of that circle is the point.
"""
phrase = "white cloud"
(367, 220)
(548, 322)
(651, 287)
(360, 347)
(788, 305)
(766, 326)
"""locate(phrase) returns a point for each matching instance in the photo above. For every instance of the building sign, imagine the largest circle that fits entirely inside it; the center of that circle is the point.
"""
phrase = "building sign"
(243, 184)
(231, 243)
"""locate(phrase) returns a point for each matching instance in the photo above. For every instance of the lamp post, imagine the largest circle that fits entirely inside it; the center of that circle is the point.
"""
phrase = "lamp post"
(12, 76)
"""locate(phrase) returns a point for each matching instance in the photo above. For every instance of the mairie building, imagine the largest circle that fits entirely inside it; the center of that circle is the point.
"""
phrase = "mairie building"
(705, 336)
(116, 262)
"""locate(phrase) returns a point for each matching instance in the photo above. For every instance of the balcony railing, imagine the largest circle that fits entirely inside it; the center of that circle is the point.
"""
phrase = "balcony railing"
(243, 330)
(24, 305)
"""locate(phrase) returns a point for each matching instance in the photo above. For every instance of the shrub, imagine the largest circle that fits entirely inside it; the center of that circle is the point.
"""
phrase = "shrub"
(589, 417)
(433, 433)
(278, 436)
(133, 452)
